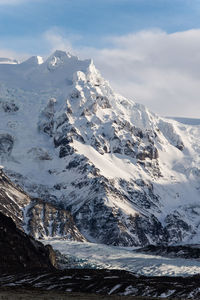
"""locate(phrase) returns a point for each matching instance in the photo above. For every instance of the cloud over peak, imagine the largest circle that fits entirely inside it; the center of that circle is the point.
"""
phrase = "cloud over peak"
(157, 69)
(160, 70)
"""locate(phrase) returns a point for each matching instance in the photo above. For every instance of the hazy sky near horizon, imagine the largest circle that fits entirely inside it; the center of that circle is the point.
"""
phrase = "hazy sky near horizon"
(149, 50)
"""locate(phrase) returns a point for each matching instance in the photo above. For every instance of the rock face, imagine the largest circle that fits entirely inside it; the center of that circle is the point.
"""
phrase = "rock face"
(127, 176)
(47, 220)
(12, 200)
(19, 252)
(182, 251)
(34, 216)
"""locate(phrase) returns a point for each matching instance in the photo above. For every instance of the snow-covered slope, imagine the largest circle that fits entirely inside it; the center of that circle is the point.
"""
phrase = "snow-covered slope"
(128, 176)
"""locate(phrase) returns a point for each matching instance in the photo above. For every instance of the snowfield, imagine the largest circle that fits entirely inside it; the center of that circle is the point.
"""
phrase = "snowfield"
(109, 257)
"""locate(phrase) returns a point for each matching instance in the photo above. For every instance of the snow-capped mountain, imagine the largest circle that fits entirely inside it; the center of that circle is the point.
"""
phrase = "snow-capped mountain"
(128, 176)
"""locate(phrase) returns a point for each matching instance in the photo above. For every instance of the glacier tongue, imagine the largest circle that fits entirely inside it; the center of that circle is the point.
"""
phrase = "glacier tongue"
(127, 176)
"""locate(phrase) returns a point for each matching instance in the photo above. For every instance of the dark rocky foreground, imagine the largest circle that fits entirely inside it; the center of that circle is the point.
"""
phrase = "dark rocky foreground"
(19, 252)
(104, 282)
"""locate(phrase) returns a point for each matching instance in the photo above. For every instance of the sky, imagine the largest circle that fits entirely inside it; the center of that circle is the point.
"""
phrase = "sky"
(149, 50)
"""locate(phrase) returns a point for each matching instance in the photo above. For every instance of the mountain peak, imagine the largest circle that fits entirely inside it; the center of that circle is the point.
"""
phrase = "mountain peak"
(62, 54)
(60, 58)
(57, 58)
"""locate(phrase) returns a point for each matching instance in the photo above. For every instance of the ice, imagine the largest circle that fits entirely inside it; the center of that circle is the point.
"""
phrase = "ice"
(126, 259)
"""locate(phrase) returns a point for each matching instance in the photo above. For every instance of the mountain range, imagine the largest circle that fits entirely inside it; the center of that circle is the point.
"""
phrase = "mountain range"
(81, 162)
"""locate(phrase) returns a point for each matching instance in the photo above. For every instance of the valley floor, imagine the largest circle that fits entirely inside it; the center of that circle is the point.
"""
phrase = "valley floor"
(18, 294)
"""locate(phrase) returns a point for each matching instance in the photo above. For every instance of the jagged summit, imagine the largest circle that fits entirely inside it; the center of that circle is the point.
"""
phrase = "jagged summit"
(56, 59)
(62, 55)
(35, 73)
(128, 176)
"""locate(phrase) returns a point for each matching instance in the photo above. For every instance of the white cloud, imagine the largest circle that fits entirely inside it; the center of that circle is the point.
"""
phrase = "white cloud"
(56, 40)
(157, 69)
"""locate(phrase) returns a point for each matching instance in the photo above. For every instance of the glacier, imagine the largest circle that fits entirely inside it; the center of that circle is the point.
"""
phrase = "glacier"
(98, 256)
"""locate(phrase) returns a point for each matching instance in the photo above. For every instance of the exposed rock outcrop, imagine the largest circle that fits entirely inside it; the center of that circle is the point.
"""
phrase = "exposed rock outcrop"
(183, 251)
(34, 216)
(19, 251)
